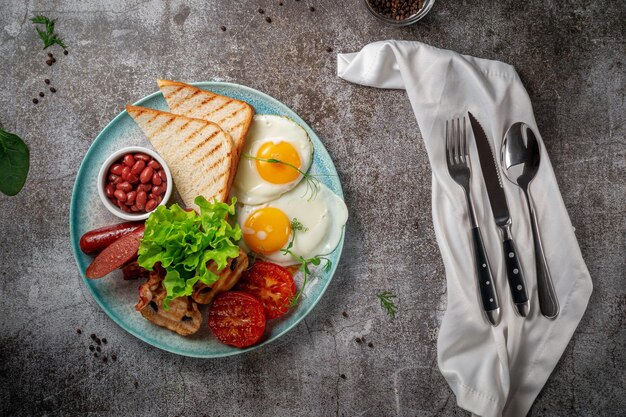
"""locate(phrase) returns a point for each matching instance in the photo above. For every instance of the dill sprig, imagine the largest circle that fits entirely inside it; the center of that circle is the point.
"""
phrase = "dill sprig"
(312, 183)
(48, 36)
(387, 304)
(296, 226)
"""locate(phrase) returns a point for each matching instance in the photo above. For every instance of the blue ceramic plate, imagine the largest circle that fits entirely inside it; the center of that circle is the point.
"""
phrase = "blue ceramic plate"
(118, 297)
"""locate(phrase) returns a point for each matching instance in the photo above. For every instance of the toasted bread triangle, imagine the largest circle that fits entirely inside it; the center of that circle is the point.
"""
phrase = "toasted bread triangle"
(233, 116)
(199, 153)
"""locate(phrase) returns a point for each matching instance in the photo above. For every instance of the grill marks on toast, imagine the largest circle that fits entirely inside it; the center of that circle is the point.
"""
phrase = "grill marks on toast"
(198, 152)
(200, 145)
(173, 92)
(234, 116)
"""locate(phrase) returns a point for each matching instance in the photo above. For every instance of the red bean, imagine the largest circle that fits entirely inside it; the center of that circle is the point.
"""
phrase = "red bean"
(159, 199)
(120, 195)
(134, 208)
(156, 180)
(125, 173)
(140, 199)
(124, 186)
(114, 178)
(116, 169)
(128, 160)
(125, 208)
(146, 175)
(143, 157)
(162, 175)
(109, 189)
(130, 198)
(144, 187)
(158, 190)
(150, 205)
(138, 167)
(154, 164)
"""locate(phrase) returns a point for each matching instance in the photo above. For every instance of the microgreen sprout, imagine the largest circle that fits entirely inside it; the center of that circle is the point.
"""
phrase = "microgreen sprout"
(312, 183)
(297, 226)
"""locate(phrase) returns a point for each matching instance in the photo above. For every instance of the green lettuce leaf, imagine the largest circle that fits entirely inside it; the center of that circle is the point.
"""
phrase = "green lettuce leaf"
(184, 242)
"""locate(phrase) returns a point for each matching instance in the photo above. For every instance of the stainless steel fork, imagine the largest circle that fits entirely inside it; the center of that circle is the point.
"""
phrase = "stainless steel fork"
(460, 169)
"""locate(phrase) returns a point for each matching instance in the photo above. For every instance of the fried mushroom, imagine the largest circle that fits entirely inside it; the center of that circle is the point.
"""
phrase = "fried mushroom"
(228, 277)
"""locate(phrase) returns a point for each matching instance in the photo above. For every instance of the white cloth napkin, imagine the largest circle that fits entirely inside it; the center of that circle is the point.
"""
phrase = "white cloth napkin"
(493, 371)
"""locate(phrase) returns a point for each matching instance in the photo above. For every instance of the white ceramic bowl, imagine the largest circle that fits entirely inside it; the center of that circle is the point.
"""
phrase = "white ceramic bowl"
(104, 170)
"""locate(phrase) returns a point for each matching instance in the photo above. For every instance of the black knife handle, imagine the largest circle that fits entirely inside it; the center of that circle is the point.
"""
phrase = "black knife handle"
(515, 276)
(486, 285)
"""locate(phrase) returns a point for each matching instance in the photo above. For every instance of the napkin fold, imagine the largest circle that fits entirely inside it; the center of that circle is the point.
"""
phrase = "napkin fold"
(493, 371)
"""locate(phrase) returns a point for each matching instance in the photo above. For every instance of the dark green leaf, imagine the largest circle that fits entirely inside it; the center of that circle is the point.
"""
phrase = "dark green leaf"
(14, 163)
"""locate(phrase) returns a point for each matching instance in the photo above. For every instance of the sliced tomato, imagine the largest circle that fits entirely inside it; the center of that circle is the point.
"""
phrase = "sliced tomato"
(272, 284)
(237, 319)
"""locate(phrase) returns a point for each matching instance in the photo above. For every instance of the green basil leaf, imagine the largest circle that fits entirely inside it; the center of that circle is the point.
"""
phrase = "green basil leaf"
(14, 163)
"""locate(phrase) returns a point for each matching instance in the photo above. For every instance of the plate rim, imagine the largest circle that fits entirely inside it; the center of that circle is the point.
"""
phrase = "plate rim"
(139, 335)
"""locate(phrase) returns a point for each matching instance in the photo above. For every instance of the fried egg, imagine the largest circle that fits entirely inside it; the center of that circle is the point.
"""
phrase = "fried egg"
(271, 137)
(267, 228)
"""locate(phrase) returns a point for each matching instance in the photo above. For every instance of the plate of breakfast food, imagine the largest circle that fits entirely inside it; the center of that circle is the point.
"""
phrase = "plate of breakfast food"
(207, 219)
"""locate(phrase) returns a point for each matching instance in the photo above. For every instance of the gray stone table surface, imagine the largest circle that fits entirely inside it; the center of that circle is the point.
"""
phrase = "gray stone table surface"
(571, 57)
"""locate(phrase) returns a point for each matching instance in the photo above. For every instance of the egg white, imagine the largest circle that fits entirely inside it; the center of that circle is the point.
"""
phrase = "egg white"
(249, 187)
(323, 215)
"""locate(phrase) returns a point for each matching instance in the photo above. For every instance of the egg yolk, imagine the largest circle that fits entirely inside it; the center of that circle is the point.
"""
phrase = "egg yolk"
(278, 173)
(267, 230)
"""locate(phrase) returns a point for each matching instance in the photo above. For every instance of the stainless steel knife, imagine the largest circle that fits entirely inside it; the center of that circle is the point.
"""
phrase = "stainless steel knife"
(500, 209)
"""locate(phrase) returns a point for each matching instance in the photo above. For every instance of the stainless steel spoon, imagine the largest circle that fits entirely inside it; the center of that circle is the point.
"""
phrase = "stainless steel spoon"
(520, 158)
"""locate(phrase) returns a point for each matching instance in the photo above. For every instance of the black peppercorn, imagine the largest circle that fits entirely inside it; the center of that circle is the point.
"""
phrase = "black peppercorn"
(53, 90)
(65, 52)
(47, 81)
(312, 8)
(268, 19)
(223, 28)
(49, 62)
(41, 94)
(35, 101)
(396, 9)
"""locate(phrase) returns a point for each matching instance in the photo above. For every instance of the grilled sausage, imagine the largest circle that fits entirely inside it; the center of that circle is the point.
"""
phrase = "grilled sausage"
(97, 240)
(116, 255)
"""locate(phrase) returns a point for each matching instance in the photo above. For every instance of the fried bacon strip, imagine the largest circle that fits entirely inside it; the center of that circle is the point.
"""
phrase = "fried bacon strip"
(182, 317)
(228, 277)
